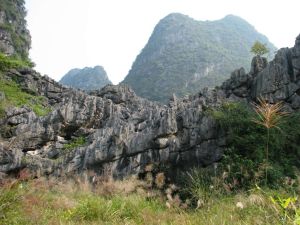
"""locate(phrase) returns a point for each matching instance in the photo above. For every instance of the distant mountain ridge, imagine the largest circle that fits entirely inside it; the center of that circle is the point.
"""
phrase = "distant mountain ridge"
(184, 55)
(87, 78)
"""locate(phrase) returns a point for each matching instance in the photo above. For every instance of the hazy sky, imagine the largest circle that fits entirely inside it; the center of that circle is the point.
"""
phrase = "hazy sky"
(70, 34)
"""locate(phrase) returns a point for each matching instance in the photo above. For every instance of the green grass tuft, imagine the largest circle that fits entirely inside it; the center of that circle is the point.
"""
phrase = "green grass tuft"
(7, 62)
(77, 142)
(14, 96)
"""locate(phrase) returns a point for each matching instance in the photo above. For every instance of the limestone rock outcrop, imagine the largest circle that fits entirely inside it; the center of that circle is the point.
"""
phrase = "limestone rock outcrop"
(124, 132)
(15, 39)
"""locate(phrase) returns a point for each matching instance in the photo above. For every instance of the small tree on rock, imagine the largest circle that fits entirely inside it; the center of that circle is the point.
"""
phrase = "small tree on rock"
(259, 49)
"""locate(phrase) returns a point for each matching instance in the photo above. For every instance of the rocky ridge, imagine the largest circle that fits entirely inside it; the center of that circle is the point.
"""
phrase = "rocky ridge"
(124, 133)
(86, 79)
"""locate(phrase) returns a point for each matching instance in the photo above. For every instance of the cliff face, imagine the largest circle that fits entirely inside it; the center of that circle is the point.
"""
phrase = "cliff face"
(15, 39)
(276, 81)
(86, 78)
(184, 55)
(124, 133)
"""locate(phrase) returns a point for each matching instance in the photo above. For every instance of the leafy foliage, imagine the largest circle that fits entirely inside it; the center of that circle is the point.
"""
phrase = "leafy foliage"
(244, 157)
(285, 205)
(259, 49)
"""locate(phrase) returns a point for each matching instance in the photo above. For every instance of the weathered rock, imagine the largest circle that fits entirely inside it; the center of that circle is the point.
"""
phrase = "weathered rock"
(124, 132)
(277, 81)
(121, 129)
(14, 36)
(258, 64)
(6, 45)
(296, 59)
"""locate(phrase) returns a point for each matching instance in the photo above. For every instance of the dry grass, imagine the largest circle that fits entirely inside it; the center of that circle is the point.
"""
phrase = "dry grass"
(111, 187)
(52, 201)
(160, 180)
(269, 116)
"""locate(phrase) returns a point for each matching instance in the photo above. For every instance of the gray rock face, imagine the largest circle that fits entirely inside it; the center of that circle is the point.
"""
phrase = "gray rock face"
(258, 64)
(121, 129)
(14, 36)
(124, 132)
(6, 44)
(280, 80)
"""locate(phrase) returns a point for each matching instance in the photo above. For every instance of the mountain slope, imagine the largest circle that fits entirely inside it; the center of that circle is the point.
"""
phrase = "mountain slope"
(15, 39)
(184, 55)
(86, 79)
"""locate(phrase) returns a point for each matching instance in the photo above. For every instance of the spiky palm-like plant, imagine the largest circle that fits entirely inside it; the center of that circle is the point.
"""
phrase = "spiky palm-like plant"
(269, 116)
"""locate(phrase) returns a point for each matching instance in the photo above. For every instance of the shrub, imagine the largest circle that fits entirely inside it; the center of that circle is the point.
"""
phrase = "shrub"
(259, 48)
(245, 154)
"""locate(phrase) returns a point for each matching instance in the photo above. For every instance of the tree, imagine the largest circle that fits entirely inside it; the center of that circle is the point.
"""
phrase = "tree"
(259, 49)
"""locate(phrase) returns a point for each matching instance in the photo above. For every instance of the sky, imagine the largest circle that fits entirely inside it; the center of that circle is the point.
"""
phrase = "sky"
(69, 34)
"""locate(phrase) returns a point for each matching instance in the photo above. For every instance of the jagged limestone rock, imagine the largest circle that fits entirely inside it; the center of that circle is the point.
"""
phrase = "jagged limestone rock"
(125, 132)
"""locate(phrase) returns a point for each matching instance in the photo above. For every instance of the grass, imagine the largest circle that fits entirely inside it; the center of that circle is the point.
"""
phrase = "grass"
(77, 142)
(14, 96)
(56, 202)
(7, 62)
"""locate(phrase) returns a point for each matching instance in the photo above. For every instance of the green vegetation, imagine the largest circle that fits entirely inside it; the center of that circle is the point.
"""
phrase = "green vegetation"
(15, 96)
(245, 155)
(15, 25)
(7, 63)
(183, 56)
(259, 49)
(76, 142)
(13, 93)
(55, 202)
(232, 192)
